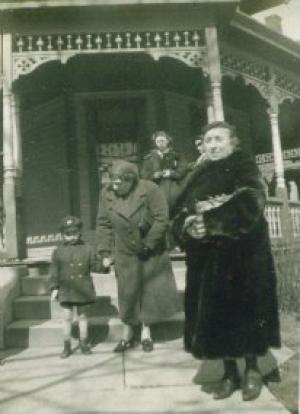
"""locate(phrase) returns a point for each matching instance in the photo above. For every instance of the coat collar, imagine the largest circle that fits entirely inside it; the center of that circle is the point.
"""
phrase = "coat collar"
(127, 207)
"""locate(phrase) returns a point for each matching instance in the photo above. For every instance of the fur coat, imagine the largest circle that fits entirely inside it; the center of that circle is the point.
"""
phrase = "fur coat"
(230, 298)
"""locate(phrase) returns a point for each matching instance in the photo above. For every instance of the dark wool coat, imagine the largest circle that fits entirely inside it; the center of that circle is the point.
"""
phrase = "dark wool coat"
(230, 298)
(146, 288)
(172, 161)
(70, 273)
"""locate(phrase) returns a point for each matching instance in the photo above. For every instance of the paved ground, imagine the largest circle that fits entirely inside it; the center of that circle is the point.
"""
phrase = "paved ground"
(165, 381)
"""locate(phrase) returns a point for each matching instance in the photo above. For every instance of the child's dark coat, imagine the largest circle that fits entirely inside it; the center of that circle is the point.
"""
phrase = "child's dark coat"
(71, 273)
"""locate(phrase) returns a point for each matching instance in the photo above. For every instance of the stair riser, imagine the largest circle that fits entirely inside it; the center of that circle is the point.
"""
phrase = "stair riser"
(104, 285)
(47, 337)
(45, 309)
(39, 285)
(34, 287)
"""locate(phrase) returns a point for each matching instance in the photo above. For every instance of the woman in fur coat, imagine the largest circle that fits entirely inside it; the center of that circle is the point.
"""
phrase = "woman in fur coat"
(230, 299)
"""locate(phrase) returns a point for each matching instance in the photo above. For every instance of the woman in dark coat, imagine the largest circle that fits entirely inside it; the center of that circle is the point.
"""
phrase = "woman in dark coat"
(164, 166)
(230, 299)
(131, 227)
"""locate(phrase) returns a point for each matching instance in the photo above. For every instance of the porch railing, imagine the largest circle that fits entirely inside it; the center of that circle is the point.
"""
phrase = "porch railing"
(273, 216)
(295, 214)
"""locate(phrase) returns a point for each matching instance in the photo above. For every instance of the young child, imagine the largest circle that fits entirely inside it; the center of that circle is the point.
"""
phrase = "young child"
(71, 282)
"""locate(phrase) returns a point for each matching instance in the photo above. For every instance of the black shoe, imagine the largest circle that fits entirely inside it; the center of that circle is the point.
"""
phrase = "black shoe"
(123, 345)
(252, 385)
(67, 350)
(84, 347)
(226, 387)
(147, 345)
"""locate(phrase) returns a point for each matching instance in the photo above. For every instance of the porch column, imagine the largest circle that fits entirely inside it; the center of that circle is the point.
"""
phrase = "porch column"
(209, 102)
(214, 69)
(281, 190)
(277, 150)
(12, 164)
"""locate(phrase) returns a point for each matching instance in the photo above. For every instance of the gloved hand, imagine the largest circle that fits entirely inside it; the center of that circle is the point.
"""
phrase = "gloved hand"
(145, 253)
(101, 263)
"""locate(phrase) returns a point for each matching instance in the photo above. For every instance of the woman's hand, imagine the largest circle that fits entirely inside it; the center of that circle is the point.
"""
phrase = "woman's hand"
(166, 173)
(54, 295)
(107, 262)
(157, 175)
(194, 226)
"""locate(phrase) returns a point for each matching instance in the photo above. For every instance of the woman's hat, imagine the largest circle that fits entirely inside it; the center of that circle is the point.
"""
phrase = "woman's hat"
(123, 168)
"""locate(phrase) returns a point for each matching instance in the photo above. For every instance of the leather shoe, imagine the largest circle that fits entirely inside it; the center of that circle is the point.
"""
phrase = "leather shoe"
(252, 385)
(147, 345)
(226, 388)
(84, 347)
(123, 345)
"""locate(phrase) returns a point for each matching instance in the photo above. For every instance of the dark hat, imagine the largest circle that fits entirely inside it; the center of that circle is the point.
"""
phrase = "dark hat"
(123, 167)
(70, 222)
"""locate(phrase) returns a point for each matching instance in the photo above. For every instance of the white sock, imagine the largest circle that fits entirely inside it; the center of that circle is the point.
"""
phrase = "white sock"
(145, 334)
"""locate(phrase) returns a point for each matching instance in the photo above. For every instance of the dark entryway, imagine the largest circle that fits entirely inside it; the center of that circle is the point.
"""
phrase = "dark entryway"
(116, 128)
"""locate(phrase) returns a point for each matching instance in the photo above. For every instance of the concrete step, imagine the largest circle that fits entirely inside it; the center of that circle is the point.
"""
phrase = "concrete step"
(41, 307)
(42, 333)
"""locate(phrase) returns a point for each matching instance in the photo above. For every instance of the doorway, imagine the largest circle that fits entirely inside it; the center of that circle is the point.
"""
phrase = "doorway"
(115, 128)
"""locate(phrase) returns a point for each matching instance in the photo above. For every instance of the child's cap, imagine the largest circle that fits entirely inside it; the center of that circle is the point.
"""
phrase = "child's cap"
(69, 222)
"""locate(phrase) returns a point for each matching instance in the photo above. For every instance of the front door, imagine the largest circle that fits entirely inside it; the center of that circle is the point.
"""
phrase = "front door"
(116, 129)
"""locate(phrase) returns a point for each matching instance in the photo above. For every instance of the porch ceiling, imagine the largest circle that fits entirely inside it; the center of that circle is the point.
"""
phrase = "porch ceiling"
(24, 4)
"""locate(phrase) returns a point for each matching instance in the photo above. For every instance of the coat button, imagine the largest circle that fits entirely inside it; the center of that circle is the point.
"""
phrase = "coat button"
(72, 264)
(133, 242)
(79, 275)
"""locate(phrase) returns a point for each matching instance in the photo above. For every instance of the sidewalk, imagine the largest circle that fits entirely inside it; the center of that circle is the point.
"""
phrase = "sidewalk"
(168, 380)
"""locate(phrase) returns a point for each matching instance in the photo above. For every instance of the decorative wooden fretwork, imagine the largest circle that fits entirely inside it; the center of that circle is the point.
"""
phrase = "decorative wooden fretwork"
(269, 82)
(286, 88)
(234, 64)
(238, 64)
(30, 51)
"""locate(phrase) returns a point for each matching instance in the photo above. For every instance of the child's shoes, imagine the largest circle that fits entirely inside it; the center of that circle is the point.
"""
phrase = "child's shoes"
(67, 350)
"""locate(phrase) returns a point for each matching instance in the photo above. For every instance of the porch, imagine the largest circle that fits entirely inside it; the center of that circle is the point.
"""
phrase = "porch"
(246, 87)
